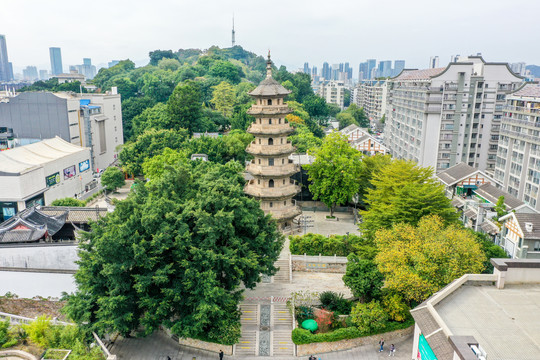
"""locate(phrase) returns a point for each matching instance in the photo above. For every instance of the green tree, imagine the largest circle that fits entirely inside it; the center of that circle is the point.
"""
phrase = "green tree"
(169, 64)
(500, 207)
(403, 193)
(363, 278)
(185, 106)
(157, 55)
(490, 250)
(345, 119)
(241, 120)
(68, 202)
(131, 108)
(150, 143)
(156, 117)
(175, 253)
(417, 261)
(226, 70)
(371, 165)
(155, 166)
(224, 98)
(304, 140)
(315, 106)
(112, 178)
(370, 317)
(334, 173)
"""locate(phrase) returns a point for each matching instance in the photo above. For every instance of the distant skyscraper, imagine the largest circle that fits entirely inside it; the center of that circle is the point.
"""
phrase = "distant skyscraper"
(399, 65)
(372, 63)
(112, 63)
(56, 60)
(348, 71)
(384, 69)
(30, 73)
(326, 71)
(314, 71)
(519, 68)
(87, 69)
(433, 62)
(363, 72)
(306, 68)
(43, 74)
(5, 73)
(87, 61)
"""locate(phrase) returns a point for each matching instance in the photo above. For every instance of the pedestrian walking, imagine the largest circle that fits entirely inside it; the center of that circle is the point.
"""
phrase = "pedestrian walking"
(381, 343)
(168, 358)
(220, 354)
(392, 350)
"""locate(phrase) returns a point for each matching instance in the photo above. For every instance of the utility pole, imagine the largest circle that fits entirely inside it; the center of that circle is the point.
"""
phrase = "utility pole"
(305, 222)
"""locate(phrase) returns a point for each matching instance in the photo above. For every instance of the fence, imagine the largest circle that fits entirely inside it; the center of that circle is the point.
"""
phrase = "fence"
(328, 264)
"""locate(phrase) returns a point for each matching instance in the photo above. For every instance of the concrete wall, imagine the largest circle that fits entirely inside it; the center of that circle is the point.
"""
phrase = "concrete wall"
(15, 188)
(208, 346)
(52, 257)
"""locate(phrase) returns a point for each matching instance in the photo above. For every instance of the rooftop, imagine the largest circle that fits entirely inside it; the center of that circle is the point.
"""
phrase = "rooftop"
(534, 219)
(492, 194)
(529, 90)
(269, 86)
(456, 173)
(24, 158)
(424, 74)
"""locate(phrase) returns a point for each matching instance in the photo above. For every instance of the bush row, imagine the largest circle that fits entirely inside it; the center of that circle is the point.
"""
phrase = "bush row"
(340, 245)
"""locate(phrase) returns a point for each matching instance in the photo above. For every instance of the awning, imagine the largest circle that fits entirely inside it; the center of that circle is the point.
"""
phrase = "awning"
(457, 203)
(489, 227)
(470, 213)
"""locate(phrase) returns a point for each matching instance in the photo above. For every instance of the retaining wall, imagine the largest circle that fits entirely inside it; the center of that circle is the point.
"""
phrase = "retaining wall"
(326, 347)
(208, 346)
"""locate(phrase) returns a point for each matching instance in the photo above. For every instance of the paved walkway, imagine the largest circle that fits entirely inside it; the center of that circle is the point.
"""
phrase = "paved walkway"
(158, 346)
(322, 226)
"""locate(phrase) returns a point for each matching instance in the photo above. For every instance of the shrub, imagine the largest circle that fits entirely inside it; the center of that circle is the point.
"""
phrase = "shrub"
(363, 278)
(335, 302)
(303, 313)
(369, 317)
(68, 202)
(340, 245)
(4, 332)
(302, 336)
(395, 307)
(37, 330)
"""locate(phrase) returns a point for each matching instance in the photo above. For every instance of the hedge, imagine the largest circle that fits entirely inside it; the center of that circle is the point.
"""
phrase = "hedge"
(301, 336)
(340, 245)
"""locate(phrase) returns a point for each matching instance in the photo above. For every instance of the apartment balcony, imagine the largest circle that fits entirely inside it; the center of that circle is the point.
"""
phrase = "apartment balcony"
(535, 124)
(521, 109)
(433, 109)
(270, 129)
(274, 193)
(269, 110)
(272, 171)
(270, 150)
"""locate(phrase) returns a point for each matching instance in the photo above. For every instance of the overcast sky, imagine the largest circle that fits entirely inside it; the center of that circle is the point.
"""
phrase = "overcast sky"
(296, 31)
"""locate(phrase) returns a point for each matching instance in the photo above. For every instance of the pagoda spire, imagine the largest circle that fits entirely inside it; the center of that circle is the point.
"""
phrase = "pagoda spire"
(268, 66)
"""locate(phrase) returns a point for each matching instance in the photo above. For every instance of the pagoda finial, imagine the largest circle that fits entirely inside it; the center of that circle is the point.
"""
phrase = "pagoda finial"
(268, 66)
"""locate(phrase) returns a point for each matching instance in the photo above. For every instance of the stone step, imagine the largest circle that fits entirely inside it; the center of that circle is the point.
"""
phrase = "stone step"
(247, 345)
(250, 314)
(283, 273)
(282, 315)
(282, 343)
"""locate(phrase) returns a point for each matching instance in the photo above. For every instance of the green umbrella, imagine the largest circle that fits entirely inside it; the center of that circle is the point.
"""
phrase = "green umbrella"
(310, 325)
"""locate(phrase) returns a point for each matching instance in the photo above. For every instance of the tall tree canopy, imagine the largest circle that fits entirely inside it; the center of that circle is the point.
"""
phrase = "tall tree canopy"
(175, 254)
(419, 260)
(404, 193)
(334, 173)
(185, 106)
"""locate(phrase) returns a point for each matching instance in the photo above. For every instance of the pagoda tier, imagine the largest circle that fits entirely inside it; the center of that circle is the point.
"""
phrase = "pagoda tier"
(271, 168)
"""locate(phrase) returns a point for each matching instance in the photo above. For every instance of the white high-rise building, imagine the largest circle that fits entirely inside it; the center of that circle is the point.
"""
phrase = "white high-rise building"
(519, 68)
(442, 116)
(518, 155)
(433, 62)
(371, 95)
(333, 92)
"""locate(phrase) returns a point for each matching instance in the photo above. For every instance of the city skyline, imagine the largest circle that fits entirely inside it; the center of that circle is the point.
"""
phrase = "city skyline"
(171, 25)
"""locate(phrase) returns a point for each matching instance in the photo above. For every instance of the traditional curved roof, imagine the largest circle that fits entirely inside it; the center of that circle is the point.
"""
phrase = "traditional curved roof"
(528, 90)
(269, 86)
(424, 74)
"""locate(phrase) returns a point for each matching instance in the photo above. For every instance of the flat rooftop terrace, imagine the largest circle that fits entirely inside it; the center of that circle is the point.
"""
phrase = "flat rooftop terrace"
(505, 322)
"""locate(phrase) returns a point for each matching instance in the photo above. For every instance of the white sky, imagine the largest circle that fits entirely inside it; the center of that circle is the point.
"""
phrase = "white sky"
(295, 30)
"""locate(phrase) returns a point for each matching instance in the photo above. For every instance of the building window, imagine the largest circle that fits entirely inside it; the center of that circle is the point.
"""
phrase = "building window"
(270, 141)
(259, 141)
(271, 204)
(536, 246)
(282, 140)
(285, 203)
(270, 121)
(283, 181)
(102, 139)
(282, 161)
(270, 162)
(258, 181)
(271, 183)
(114, 107)
(269, 101)
(114, 117)
(279, 121)
(259, 161)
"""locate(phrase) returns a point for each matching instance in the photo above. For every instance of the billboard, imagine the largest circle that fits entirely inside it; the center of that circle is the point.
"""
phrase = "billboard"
(52, 179)
(84, 165)
(69, 172)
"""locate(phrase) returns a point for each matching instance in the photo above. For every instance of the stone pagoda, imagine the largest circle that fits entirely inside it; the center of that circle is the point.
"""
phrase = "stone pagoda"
(271, 168)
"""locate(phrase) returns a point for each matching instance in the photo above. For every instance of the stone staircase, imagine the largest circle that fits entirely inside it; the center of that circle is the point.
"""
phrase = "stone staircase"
(249, 320)
(282, 344)
(282, 275)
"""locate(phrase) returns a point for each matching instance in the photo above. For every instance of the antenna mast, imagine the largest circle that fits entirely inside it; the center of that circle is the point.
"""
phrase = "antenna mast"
(233, 40)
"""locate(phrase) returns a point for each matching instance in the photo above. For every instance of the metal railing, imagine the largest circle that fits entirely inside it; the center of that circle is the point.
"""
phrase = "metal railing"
(19, 320)
(320, 259)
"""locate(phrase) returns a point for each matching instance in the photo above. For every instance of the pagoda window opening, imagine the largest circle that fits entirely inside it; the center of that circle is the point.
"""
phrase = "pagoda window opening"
(270, 141)
(271, 204)
(270, 121)
(259, 141)
(271, 183)
(259, 182)
(285, 203)
(282, 161)
(270, 162)
(283, 181)
(269, 101)
(259, 161)
(281, 140)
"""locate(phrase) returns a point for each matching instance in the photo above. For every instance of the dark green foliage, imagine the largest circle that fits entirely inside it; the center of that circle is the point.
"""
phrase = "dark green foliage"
(130, 108)
(157, 55)
(150, 143)
(500, 207)
(4, 332)
(490, 249)
(175, 254)
(184, 107)
(315, 106)
(112, 178)
(340, 245)
(241, 120)
(302, 336)
(227, 71)
(303, 313)
(53, 85)
(335, 302)
(105, 75)
(68, 202)
(363, 278)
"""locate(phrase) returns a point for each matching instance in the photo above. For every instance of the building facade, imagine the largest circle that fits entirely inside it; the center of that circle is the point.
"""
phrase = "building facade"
(88, 120)
(442, 116)
(371, 95)
(271, 167)
(6, 72)
(56, 60)
(333, 92)
(518, 155)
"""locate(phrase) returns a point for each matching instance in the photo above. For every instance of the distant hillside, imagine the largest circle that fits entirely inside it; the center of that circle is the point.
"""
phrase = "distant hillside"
(535, 70)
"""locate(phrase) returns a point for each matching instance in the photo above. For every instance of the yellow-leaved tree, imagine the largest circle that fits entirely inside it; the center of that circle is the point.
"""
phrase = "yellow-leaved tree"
(419, 260)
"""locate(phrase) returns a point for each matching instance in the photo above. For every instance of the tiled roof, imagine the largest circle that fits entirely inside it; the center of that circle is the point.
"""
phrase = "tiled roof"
(428, 326)
(489, 227)
(534, 219)
(456, 173)
(492, 194)
(349, 128)
(424, 74)
(76, 214)
(470, 213)
(529, 90)
(269, 87)
(16, 236)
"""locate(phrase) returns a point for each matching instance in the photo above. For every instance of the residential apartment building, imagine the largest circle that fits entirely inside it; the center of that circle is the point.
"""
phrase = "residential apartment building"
(333, 92)
(518, 156)
(442, 116)
(371, 95)
(89, 120)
